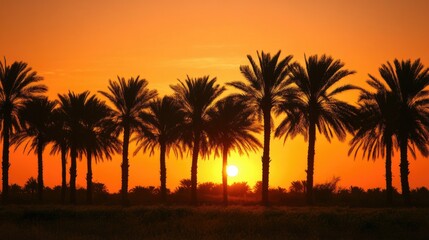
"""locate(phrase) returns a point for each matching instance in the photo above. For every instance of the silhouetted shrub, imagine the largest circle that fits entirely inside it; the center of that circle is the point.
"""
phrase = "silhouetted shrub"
(205, 188)
(298, 186)
(239, 189)
(277, 195)
(31, 186)
(144, 195)
(182, 193)
(420, 196)
(257, 189)
(324, 193)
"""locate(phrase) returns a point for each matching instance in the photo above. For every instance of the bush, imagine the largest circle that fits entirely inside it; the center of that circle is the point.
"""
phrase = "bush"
(324, 193)
(239, 189)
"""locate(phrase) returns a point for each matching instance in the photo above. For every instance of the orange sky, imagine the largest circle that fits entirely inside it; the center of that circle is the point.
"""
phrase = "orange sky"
(79, 45)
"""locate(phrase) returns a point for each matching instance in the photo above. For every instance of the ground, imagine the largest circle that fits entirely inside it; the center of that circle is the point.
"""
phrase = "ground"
(211, 222)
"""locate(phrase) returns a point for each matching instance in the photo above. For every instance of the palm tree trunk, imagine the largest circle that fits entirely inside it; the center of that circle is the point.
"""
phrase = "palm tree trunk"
(389, 188)
(163, 173)
(404, 170)
(194, 168)
(125, 166)
(310, 161)
(40, 185)
(73, 156)
(63, 173)
(225, 176)
(266, 157)
(5, 161)
(89, 178)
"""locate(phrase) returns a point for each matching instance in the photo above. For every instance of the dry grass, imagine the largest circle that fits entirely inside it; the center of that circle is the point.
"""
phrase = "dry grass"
(237, 222)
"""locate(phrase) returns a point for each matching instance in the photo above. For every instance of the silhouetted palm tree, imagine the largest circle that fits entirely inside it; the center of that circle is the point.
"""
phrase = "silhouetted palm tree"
(262, 93)
(36, 120)
(376, 125)
(129, 98)
(72, 108)
(99, 137)
(18, 83)
(59, 138)
(162, 130)
(232, 127)
(196, 97)
(408, 83)
(316, 106)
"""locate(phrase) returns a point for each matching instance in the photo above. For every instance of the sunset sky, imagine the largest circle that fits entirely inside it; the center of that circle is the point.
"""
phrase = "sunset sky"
(79, 45)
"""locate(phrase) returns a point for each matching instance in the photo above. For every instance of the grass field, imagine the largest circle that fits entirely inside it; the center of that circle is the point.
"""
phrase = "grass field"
(207, 222)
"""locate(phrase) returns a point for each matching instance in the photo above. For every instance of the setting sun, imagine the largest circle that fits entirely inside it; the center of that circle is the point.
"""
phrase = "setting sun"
(232, 170)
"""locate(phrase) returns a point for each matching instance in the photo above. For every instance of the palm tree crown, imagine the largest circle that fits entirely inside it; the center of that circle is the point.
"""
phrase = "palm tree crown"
(263, 91)
(376, 122)
(232, 126)
(129, 98)
(18, 83)
(100, 141)
(35, 120)
(315, 104)
(196, 97)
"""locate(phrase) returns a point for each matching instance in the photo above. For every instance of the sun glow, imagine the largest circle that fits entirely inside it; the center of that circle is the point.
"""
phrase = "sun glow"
(232, 170)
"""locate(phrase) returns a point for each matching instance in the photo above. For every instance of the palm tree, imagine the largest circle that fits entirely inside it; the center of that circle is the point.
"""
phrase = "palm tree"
(408, 83)
(36, 120)
(232, 127)
(59, 139)
(99, 138)
(18, 83)
(316, 106)
(162, 130)
(196, 97)
(262, 94)
(375, 129)
(72, 109)
(129, 98)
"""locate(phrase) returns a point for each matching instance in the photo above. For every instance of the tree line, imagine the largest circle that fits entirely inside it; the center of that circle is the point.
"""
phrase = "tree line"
(327, 193)
(392, 113)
